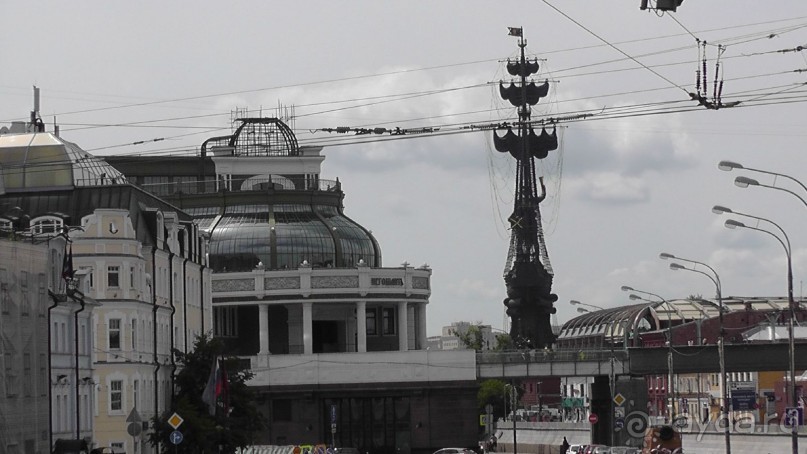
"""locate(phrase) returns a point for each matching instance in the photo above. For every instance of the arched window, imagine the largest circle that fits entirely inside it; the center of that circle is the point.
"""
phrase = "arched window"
(47, 224)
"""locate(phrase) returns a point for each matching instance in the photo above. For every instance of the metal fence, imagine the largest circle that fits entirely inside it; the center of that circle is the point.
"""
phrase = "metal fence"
(547, 356)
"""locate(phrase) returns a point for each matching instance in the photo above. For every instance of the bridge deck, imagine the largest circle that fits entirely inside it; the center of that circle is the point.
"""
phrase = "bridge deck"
(562, 363)
(637, 361)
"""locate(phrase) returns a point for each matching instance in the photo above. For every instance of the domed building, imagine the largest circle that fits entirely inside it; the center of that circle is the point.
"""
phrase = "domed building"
(291, 270)
(337, 341)
(96, 322)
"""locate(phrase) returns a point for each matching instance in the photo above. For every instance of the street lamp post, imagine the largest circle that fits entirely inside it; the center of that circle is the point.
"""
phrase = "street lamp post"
(728, 166)
(731, 224)
(670, 373)
(745, 182)
(721, 342)
(513, 406)
(578, 303)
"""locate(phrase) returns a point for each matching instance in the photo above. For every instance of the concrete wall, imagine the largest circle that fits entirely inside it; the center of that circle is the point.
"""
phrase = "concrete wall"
(534, 438)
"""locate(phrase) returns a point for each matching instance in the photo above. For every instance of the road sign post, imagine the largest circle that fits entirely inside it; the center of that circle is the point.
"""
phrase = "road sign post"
(175, 437)
(333, 425)
(794, 416)
(175, 421)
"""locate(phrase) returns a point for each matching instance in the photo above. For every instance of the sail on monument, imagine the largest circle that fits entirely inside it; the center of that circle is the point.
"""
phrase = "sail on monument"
(528, 272)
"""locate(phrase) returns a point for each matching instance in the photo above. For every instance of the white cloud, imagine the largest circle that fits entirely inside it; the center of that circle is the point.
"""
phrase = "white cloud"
(619, 190)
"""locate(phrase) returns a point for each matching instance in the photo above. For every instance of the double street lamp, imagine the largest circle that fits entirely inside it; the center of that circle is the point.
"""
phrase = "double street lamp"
(670, 374)
(721, 341)
(733, 224)
(745, 182)
(578, 303)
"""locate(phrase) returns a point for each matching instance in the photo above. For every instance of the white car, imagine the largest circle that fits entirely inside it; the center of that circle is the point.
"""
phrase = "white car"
(575, 449)
(454, 451)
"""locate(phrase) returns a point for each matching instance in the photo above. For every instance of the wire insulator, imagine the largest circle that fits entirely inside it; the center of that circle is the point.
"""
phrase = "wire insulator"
(717, 71)
(704, 68)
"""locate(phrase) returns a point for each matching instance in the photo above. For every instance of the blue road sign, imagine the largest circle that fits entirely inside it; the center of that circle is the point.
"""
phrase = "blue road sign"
(175, 437)
(794, 416)
(619, 424)
(743, 399)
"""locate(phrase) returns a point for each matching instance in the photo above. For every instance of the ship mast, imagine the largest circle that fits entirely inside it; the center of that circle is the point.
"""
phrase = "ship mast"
(528, 273)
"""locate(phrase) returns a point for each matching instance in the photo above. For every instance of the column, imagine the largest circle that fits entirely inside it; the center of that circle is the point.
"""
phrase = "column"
(421, 326)
(263, 329)
(403, 327)
(308, 336)
(361, 326)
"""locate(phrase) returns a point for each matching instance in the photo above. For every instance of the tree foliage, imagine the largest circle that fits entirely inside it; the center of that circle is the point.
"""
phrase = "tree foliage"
(202, 432)
(504, 342)
(492, 392)
(474, 338)
(471, 338)
(496, 393)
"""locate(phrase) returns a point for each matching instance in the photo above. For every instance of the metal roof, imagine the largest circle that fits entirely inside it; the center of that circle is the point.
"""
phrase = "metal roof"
(611, 324)
(44, 161)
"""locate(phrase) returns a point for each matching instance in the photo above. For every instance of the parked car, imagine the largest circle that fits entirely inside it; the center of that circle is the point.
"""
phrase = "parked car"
(575, 449)
(454, 451)
(601, 450)
(590, 449)
(346, 450)
(624, 450)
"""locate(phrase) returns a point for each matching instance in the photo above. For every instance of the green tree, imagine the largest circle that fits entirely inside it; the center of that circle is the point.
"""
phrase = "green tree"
(202, 432)
(504, 342)
(471, 338)
(492, 392)
(474, 339)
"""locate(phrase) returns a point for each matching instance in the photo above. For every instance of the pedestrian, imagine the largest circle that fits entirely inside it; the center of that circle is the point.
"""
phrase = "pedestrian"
(564, 447)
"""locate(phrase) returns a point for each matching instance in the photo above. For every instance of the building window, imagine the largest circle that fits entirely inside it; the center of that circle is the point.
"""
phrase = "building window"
(136, 393)
(27, 379)
(43, 375)
(11, 376)
(132, 276)
(114, 334)
(47, 224)
(388, 321)
(41, 305)
(5, 298)
(134, 335)
(116, 395)
(113, 276)
(25, 303)
(372, 322)
(226, 322)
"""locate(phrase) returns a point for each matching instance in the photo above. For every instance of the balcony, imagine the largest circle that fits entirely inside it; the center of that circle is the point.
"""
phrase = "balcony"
(417, 366)
(325, 283)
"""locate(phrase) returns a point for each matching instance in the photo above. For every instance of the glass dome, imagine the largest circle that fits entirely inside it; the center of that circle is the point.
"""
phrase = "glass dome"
(286, 236)
(44, 161)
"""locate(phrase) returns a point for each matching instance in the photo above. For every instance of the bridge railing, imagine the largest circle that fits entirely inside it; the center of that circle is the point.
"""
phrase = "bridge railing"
(548, 356)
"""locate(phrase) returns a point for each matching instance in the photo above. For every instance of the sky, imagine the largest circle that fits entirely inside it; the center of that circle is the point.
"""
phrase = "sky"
(635, 176)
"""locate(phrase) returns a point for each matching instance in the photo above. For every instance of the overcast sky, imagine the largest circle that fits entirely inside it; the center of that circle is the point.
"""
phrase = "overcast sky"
(636, 178)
